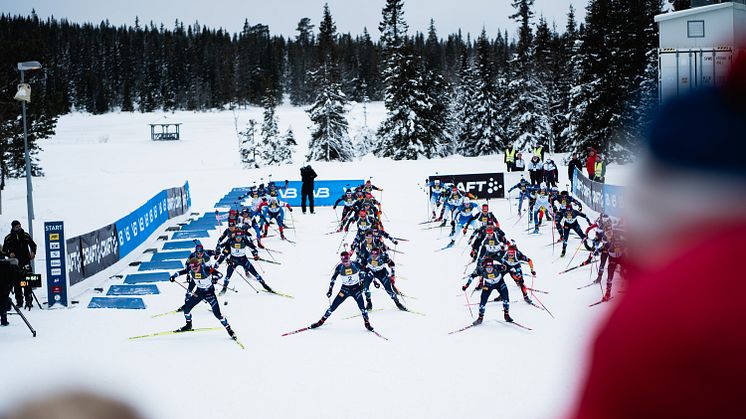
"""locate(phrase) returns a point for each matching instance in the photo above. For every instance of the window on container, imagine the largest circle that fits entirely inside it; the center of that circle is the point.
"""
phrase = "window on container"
(695, 29)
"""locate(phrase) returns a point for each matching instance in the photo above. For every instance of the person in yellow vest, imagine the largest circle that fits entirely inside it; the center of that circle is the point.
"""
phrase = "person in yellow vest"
(509, 160)
(539, 152)
(600, 172)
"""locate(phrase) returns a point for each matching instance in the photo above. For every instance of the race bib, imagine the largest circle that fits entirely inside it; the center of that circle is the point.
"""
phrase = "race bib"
(491, 243)
(491, 276)
(197, 276)
(374, 262)
(236, 246)
(348, 271)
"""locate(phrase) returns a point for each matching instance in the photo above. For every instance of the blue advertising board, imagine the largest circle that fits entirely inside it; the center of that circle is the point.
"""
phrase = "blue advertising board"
(600, 197)
(325, 192)
(54, 243)
(135, 228)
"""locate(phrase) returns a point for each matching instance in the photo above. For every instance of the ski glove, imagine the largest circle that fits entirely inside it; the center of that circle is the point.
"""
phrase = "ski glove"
(464, 287)
(533, 273)
(329, 293)
(376, 284)
(395, 242)
(173, 277)
(214, 280)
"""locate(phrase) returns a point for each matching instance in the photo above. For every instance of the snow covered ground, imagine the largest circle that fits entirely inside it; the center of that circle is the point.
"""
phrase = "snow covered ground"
(102, 167)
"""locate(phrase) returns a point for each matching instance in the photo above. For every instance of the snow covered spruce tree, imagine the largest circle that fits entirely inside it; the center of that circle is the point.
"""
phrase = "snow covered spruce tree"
(273, 148)
(529, 116)
(483, 121)
(613, 96)
(248, 146)
(413, 124)
(329, 134)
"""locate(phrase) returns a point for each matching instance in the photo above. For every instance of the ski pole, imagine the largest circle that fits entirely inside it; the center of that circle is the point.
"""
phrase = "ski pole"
(247, 281)
(574, 254)
(468, 304)
(227, 287)
(25, 320)
(37, 300)
(553, 241)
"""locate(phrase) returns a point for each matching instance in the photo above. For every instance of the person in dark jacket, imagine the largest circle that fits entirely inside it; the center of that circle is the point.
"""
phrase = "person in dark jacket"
(536, 170)
(573, 164)
(307, 175)
(19, 245)
(10, 276)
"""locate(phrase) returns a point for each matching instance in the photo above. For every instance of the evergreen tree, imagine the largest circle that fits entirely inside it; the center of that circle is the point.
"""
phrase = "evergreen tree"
(406, 133)
(248, 146)
(485, 135)
(273, 149)
(300, 63)
(329, 135)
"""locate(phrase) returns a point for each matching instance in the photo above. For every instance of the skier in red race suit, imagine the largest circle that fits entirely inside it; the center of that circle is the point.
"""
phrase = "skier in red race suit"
(669, 349)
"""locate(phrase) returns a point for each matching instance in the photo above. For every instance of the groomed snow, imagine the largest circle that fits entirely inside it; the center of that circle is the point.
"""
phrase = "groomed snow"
(102, 167)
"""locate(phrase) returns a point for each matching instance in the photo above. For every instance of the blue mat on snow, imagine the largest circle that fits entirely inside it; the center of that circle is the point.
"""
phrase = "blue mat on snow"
(177, 255)
(117, 302)
(209, 225)
(196, 234)
(178, 245)
(163, 265)
(133, 289)
(147, 277)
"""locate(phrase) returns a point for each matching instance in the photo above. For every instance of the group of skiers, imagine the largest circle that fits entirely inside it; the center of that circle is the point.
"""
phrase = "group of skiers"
(260, 207)
(496, 256)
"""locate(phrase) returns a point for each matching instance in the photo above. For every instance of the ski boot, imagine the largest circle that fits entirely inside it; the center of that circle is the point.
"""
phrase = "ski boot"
(4, 319)
(223, 290)
(368, 304)
(29, 305)
(607, 295)
(187, 327)
(564, 251)
(318, 323)
(498, 298)
(443, 224)
(367, 324)
(527, 299)
(507, 317)
(599, 277)
(536, 229)
(264, 284)
(434, 216)
(400, 306)
(230, 331)
(479, 320)
(259, 243)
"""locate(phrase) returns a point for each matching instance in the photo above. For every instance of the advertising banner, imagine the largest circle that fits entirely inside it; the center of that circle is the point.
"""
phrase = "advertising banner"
(99, 250)
(325, 192)
(600, 197)
(481, 185)
(54, 239)
(74, 260)
(136, 227)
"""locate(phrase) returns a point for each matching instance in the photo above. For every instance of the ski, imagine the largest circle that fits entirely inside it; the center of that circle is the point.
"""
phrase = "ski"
(290, 241)
(178, 310)
(379, 335)
(269, 261)
(462, 329)
(174, 332)
(396, 251)
(599, 302)
(272, 250)
(535, 290)
(433, 227)
(427, 222)
(520, 325)
(448, 246)
(587, 262)
(279, 294)
(238, 342)
(588, 285)
(297, 331)
(388, 309)
(400, 239)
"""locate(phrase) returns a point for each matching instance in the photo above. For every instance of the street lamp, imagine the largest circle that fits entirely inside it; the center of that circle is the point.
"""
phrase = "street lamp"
(22, 67)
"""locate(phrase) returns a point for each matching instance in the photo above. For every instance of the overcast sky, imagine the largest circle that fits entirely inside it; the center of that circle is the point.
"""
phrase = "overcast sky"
(282, 15)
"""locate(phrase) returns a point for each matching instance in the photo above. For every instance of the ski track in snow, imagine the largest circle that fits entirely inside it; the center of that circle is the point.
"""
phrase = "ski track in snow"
(336, 371)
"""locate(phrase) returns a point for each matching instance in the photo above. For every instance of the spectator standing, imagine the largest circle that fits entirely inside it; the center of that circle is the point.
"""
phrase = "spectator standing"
(573, 164)
(520, 164)
(550, 173)
(539, 152)
(600, 169)
(510, 155)
(536, 170)
(19, 244)
(590, 162)
(307, 175)
(10, 275)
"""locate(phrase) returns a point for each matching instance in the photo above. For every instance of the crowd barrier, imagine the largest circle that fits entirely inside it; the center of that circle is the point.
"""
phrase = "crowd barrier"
(95, 251)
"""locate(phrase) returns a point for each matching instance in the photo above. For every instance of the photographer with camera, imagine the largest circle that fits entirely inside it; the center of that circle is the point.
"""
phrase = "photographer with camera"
(10, 276)
(19, 245)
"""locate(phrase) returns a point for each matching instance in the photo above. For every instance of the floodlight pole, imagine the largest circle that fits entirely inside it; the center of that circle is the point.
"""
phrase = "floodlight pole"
(29, 188)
